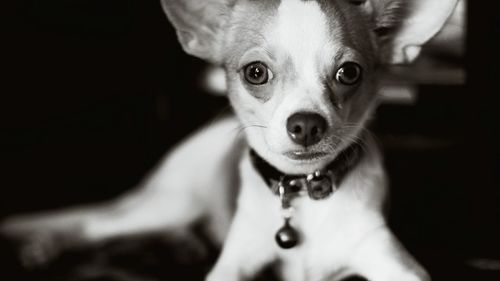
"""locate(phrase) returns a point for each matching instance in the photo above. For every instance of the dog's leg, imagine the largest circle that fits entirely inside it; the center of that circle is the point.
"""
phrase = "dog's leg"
(194, 181)
(249, 245)
(174, 196)
(43, 236)
(381, 257)
(247, 250)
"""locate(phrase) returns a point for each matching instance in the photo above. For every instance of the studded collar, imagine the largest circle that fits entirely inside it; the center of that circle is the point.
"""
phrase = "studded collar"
(318, 185)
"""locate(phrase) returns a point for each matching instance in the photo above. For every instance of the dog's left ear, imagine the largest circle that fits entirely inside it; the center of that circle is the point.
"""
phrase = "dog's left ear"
(403, 26)
(200, 25)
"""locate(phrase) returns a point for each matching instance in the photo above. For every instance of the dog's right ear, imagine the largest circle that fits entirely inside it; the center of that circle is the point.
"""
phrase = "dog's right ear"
(200, 25)
(403, 26)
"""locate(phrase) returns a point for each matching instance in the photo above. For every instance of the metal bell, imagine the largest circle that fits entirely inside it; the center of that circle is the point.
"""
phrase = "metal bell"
(287, 237)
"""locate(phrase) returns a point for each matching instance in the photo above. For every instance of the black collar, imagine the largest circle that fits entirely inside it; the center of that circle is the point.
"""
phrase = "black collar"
(319, 184)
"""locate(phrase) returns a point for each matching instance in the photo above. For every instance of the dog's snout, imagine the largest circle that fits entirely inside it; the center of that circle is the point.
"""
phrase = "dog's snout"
(306, 128)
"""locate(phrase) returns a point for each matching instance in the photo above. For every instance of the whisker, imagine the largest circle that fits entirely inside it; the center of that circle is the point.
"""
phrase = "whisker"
(353, 137)
(362, 129)
(242, 128)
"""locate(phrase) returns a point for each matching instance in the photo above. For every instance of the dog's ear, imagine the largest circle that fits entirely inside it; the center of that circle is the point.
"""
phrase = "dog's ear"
(199, 25)
(403, 26)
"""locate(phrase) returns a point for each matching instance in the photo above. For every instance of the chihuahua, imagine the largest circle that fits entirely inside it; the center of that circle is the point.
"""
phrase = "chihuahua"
(304, 183)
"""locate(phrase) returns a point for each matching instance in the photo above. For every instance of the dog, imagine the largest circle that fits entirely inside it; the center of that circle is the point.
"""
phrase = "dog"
(304, 183)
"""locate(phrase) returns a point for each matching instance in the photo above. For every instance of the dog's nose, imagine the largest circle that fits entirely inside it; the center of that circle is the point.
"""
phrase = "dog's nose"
(306, 128)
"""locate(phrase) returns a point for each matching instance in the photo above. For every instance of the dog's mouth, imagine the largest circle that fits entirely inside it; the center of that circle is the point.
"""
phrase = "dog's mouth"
(305, 156)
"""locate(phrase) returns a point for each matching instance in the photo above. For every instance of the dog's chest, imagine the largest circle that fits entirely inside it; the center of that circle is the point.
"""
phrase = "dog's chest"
(329, 229)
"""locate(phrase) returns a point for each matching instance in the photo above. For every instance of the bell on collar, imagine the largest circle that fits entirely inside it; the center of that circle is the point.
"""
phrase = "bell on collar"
(319, 185)
(287, 237)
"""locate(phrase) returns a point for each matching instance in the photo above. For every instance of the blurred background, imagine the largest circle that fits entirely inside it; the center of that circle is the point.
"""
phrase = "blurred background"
(93, 93)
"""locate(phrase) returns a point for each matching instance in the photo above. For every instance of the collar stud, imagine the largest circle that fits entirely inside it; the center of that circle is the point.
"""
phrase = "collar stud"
(319, 185)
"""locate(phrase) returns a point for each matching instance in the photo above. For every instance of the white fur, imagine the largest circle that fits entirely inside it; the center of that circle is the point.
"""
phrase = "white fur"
(332, 229)
(301, 31)
(310, 51)
(341, 235)
(304, 52)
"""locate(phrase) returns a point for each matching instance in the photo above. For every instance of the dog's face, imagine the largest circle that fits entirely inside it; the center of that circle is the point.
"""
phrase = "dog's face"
(301, 74)
(301, 80)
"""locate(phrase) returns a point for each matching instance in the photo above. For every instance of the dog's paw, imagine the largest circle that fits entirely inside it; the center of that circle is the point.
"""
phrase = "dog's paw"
(37, 242)
(39, 249)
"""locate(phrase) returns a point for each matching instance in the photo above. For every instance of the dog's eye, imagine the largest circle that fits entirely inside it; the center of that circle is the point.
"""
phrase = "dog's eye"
(257, 73)
(349, 73)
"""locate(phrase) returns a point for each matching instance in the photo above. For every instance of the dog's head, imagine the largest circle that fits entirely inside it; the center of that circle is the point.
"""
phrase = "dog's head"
(302, 74)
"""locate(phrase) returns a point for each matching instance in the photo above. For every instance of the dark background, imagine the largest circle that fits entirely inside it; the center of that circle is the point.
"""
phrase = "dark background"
(94, 92)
